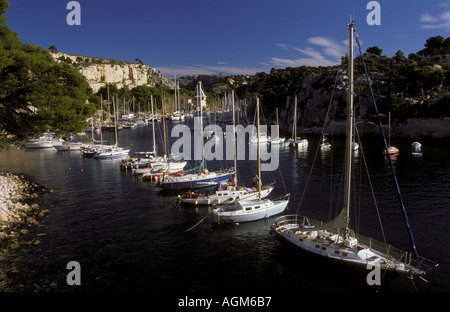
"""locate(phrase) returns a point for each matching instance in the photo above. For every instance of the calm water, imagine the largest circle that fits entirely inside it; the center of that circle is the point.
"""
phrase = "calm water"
(127, 236)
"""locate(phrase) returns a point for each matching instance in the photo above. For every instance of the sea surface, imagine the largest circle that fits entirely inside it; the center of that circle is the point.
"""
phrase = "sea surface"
(127, 236)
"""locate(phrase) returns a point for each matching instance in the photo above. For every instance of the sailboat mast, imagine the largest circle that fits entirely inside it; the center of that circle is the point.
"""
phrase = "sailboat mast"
(115, 117)
(176, 100)
(164, 125)
(294, 126)
(234, 139)
(348, 160)
(201, 122)
(259, 156)
(100, 117)
(153, 126)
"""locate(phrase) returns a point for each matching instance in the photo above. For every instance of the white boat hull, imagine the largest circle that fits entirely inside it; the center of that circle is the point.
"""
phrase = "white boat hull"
(249, 210)
(68, 147)
(225, 197)
(111, 153)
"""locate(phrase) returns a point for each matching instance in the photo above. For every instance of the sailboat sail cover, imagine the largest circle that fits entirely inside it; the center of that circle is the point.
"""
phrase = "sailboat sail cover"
(340, 222)
(195, 168)
(201, 93)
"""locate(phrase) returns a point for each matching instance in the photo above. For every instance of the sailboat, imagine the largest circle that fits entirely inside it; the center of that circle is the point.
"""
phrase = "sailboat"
(325, 145)
(335, 240)
(296, 141)
(392, 150)
(204, 178)
(277, 140)
(115, 150)
(153, 167)
(229, 193)
(247, 210)
(177, 115)
(160, 166)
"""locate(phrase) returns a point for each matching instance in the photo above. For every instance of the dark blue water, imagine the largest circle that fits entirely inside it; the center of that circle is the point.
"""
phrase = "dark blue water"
(127, 236)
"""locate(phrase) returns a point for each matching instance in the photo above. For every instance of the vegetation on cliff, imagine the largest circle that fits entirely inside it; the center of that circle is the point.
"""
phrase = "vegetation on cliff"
(36, 93)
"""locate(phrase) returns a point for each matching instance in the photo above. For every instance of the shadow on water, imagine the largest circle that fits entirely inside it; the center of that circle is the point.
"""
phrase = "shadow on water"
(128, 236)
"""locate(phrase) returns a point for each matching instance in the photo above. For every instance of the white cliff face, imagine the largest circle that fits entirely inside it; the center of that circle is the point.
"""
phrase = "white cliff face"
(99, 72)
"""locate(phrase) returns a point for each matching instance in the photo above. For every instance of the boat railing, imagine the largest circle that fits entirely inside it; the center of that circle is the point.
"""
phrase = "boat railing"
(400, 255)
(283, 197)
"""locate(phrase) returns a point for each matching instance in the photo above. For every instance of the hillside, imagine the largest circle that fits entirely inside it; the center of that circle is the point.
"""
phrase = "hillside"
(415, 89)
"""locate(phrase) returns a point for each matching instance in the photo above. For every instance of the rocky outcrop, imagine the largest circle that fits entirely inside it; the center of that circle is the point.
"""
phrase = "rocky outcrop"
(99, 71)
(18, 209)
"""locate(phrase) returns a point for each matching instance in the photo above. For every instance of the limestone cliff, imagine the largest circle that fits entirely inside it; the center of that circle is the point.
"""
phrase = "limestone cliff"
(100, 71)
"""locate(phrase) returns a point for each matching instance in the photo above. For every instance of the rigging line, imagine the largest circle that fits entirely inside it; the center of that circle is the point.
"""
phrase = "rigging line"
(318, 146)
(405, 215)
(195, 225)
(371, 188)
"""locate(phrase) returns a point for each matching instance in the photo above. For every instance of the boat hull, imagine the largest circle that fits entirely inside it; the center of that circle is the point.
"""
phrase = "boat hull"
(111, 154)
(64, 148)
(223, 198)
(193, 181)
(220, 215)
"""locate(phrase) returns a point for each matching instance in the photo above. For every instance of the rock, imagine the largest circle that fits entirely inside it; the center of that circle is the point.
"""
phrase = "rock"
(16, 209)
(99, 72)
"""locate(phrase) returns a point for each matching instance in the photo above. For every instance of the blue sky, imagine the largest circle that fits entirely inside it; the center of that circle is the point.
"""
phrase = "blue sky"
(181, 37)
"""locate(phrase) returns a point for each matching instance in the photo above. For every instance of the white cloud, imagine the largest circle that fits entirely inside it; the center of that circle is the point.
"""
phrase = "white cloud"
(208, 70)
(330, 47)
(326, 52)
(440, 21)
(427, 18)
(321, 52)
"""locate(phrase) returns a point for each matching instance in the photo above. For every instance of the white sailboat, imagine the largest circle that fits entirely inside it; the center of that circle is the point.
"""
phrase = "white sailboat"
(247, 210)
(153, 166)
(335, 240)
(392, 150)
(231, 192)
(277, 140)
(114, 150)
(177, 115)
(204, 178)
(296, 141)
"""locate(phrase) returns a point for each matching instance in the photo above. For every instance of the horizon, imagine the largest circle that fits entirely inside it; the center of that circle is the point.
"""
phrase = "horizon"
(226, 37)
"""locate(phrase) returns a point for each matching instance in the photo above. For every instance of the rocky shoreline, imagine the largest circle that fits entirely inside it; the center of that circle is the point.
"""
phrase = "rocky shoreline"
(18, 209)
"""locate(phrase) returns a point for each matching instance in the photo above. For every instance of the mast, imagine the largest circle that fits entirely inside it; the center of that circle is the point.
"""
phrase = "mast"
(164, 125)
(294, 125)
(201, 121)
(348, 154)
(259, 159)
(100, 117)
(389, 136)
(234, 139)
(153, 126)
(116, 115)
(176, 100)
